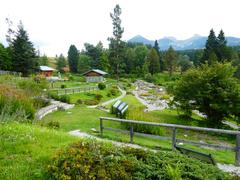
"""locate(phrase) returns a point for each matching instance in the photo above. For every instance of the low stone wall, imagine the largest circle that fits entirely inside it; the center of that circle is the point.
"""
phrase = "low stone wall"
(56, 105)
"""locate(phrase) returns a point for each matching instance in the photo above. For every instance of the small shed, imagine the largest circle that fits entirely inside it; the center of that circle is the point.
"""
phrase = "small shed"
(46, 71)
(94, 75)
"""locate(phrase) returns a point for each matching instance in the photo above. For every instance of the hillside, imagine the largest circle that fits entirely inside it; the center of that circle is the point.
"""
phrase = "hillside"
(195, 42)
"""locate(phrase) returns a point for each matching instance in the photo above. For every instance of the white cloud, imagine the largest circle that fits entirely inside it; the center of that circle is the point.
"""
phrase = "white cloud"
(55, 24)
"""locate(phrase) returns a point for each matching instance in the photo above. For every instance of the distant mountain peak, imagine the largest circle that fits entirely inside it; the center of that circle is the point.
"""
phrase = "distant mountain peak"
(195, 42)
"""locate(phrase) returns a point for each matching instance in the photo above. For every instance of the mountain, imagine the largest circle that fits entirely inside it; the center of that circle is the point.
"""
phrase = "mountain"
(195, 42)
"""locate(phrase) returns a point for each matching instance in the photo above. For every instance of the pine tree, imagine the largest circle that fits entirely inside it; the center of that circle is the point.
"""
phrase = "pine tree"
(156, 47)
(73, 58)
(210, 47)
(223, 52)
(171, 60)
(23, 52)
(153, 60)
(5, 58)
(116, 45)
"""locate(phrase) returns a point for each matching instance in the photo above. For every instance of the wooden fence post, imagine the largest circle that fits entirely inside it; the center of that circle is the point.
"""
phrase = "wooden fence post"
(174, 139)
(101, 127)
(131, 133)
(237, 157)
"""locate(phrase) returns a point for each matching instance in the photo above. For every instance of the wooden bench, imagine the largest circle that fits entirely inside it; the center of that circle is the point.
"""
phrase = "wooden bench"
(198, 155)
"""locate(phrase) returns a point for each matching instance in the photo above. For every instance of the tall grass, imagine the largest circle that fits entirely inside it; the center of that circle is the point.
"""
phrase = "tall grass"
(15, 104)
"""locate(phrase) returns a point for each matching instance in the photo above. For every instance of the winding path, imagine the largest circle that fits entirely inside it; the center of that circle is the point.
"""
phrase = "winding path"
(123, 94)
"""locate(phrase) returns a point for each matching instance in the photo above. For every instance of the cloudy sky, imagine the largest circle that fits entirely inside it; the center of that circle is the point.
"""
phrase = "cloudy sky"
(53, 25)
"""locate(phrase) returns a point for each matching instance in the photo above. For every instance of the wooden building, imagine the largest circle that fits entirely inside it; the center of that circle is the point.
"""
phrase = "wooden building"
(94, 75)
(46, 71)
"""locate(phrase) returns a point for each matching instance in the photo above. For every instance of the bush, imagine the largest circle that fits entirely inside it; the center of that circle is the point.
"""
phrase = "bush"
(91, 102)
(63, 86)
(101, 86)
(113, 91)
(79, 101)
(149, 78)
(15, 102)
(64, 98)
(40, 102)
(53, 124)
(98, 97)
(92, 160)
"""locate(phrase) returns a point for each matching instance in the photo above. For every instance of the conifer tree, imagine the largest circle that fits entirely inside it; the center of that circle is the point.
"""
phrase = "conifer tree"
(171, 60)
(73, 58)
(156, 47)
(153, 60)
(23, 53)
(116, 45)
(61, 63)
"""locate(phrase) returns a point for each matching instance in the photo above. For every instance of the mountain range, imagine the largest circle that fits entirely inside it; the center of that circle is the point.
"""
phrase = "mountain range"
(195, 42)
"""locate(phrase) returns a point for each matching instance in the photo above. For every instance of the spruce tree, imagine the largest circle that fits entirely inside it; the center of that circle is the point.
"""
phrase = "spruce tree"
(116, 45)
(171, 59)
(210, 47)
(153, 60)
(156, 47)
(73, 58)
(23, 53)
(5, 58)
(223, 52)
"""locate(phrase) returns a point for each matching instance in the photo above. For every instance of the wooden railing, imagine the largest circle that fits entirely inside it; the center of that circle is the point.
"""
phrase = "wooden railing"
(173, 138)
(75, 90)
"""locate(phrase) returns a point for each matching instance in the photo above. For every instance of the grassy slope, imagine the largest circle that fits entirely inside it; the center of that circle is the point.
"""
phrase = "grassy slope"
(25, 150)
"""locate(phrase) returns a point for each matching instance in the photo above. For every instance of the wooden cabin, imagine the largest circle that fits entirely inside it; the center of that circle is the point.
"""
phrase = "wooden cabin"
(94, 75)
(46, 71)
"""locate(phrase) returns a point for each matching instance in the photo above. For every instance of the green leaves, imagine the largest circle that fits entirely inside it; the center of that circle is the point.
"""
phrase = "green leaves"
(212, 88)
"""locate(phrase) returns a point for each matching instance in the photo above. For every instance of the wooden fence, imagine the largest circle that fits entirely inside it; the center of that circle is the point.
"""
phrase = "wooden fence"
(75, 90)
(173, 138)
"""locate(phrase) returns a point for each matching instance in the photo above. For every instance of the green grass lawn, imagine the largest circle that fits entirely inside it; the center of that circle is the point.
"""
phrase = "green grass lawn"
(25, 150)
(85, 119)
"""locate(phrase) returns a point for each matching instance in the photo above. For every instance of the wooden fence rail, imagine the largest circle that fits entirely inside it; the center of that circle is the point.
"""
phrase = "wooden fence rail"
(65, 91)
(173, 138)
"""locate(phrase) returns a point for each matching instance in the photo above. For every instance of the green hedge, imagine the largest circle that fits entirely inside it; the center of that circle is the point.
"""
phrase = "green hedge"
(94, 160)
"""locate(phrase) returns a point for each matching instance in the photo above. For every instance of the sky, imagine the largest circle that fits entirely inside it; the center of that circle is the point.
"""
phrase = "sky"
(53, 25)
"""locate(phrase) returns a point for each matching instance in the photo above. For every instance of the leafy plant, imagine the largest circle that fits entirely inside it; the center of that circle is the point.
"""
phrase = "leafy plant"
(101, 86)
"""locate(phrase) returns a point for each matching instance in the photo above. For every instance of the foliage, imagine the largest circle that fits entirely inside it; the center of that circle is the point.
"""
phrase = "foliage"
(184, 63)
(43, 60)
(63, 86)
(73, 58)
(210, 89)
(61, 63)
(92, 160)
(170, 60)
(98, 97)
(53, 124)
(153, 61)
(23, 53)
(5, 58)
(91, 102)
(216, 49)
(64, 98)
(15, 102)
(173, 173)
(116, 45)
(84, 63)
(39, 102)
(101, 86)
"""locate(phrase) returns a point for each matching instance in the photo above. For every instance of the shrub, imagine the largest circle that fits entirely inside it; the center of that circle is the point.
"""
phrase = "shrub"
(113, 92)
(98, 97)
(53, 124)
(79, 101)
(94, 160)
(64, 98)
(15, 102)
(63, 86)
(91, 102)
(101, 86)
(40, 102)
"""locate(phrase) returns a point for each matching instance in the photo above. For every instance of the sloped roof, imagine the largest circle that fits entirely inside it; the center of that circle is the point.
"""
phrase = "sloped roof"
(97, 71)
(46, 68)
